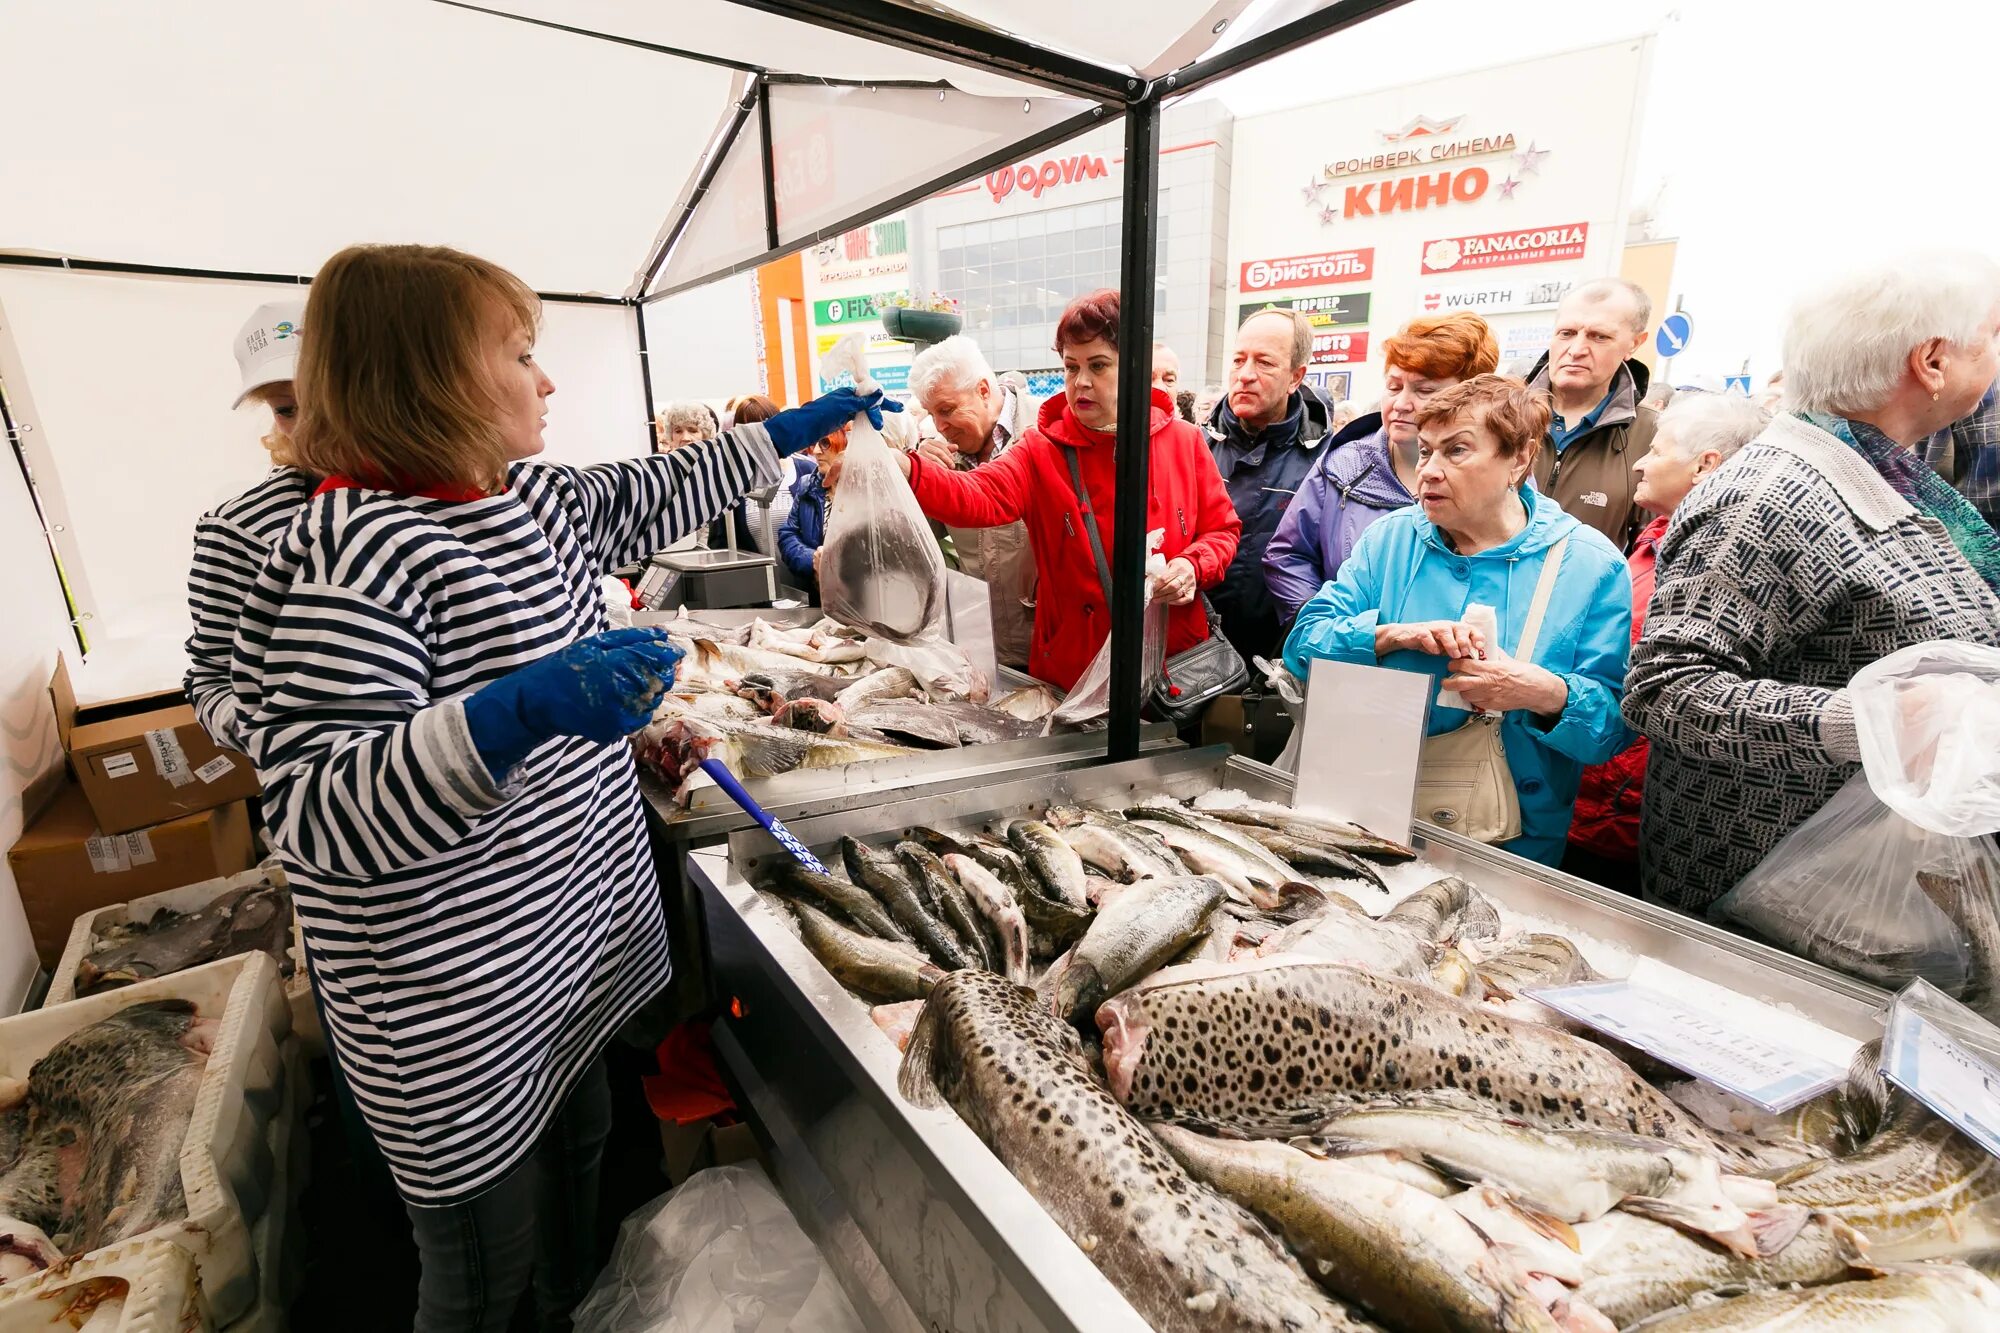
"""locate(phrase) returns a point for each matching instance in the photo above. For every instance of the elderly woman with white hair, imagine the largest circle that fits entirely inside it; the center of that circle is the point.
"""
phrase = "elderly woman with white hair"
(1826, 544)
(1697, 434)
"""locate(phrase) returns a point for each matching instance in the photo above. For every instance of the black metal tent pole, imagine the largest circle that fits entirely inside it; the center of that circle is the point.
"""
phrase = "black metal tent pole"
(1139, 235)
(645, 374)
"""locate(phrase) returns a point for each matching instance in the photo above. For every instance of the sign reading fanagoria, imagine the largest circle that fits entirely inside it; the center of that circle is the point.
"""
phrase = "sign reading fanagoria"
(1503, 249)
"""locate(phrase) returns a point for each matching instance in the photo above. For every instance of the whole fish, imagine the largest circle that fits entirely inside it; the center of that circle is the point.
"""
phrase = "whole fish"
(728, 660)
(1635, 1267)
(980, 725)
(881, 968)
(1120, 848)
(1970, 899)
(1252, 873)
(254, 917)
(1052, 923)
(912, 722)
(955, 908)
(997, 904)
(1137, 927)
(707, 703)
(90, 1145)
(806, 643)
(877, 686)
(1187, 1260)
(1318, 858)
(1448, 910)
(1310, 828)
(1358, 940)
(1392, 1250)
(1930, 1298)
(1280, 1050)
(883, 875)
(1053, 862)
(1918, 1189)
(1535, 960)
(1572, 1175)
(847, 902)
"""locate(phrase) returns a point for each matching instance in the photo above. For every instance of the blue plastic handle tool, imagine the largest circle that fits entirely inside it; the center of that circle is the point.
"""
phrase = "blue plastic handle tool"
(726, 780)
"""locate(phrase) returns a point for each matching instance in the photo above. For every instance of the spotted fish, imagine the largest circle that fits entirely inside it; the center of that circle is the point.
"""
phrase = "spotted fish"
(1188, 1260)
(1278, 1051)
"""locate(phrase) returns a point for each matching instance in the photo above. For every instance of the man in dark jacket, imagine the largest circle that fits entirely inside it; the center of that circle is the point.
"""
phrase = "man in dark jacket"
(1266, 436)
(1600, 428)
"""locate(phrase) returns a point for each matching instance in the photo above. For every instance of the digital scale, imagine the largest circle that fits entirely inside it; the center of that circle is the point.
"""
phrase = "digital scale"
(708, 580)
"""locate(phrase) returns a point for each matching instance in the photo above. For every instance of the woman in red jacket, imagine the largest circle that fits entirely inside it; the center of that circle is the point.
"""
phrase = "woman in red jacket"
(1031, 482)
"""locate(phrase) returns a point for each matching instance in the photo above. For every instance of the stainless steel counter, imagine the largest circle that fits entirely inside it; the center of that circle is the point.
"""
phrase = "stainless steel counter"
(932, 1231)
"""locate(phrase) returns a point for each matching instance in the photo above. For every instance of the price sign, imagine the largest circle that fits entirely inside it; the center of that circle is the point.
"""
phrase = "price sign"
(852, 309)
(1695, 1039)
(1942, 1054)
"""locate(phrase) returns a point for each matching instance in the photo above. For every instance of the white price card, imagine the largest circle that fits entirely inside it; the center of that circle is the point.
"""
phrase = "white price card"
(1693, 1038)
(1942, 1053)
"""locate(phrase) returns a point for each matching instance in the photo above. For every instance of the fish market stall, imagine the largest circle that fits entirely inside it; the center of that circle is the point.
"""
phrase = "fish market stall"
(934, 1232)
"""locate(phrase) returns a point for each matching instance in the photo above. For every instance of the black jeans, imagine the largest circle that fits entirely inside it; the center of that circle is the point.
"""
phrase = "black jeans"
(539, 1221)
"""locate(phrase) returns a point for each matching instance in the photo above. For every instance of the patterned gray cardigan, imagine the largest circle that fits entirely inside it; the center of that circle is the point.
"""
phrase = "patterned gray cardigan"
(1780, 577)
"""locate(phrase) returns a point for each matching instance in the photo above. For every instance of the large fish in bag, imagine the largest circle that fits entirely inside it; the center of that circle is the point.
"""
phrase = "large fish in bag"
(880, 567)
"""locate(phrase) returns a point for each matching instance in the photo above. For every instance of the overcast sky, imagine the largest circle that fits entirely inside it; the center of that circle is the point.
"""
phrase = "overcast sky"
(1782, 139)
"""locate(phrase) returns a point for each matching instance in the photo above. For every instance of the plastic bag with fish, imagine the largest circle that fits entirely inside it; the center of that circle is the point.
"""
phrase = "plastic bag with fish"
(1090, 698)
(1864, 890)
(880, 567)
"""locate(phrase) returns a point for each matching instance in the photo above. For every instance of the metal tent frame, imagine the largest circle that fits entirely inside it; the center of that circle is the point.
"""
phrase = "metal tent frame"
(913, 27)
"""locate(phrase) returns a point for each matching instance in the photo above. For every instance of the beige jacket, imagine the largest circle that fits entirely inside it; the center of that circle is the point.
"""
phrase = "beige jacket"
(1000, 556)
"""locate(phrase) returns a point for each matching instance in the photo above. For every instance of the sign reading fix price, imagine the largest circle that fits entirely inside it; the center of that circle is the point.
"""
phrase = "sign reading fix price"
(852, 309)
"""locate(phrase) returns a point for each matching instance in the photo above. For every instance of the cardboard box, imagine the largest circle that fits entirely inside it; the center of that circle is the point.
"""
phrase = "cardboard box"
(145, 761)
(694, 1147)
(65, 865)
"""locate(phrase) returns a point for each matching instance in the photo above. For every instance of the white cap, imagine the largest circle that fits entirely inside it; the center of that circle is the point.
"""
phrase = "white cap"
(267, 346)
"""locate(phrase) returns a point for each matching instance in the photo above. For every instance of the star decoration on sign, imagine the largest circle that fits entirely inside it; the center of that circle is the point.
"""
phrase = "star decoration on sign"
(1326, 216)
(1312, 190)
(1508, 186)
(1530, 161)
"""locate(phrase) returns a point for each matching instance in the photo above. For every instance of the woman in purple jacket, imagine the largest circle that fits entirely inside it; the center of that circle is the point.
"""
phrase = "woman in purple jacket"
(1373, 462)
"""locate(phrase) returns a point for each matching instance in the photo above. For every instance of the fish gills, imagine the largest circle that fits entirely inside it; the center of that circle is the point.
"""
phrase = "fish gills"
(883, 875)
(1137, 928)
(1054, 862)
(1186, 1259)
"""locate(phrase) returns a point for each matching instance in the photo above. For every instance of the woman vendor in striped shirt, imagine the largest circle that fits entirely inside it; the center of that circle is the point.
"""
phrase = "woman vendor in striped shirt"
(425, 682)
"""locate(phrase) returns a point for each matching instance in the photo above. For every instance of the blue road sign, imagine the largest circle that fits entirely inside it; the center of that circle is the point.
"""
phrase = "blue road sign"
(1672, 339)
(1738, 384)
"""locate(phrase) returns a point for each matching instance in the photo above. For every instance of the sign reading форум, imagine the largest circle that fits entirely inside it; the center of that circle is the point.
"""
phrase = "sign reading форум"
(1328, 269)
(1344, 310)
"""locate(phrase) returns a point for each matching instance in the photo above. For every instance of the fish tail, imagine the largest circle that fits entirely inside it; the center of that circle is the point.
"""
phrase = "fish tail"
(917, 1079)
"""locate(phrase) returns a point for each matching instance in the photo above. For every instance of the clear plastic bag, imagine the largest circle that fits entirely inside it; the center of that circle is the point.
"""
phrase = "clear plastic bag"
(880, 567)
(1291, 692)
(1928, 718)
(1090, 698)
(721, 1254)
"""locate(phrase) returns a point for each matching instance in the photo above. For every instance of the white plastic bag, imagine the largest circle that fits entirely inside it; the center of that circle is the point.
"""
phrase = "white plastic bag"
(721, 1254)
(1090, 697)
(1928, 718)
(939, 665)
(880, 567)
(1291, 692)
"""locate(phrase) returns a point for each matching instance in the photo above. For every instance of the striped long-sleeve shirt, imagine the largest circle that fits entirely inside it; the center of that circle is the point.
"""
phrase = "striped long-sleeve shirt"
(231, 543)
(475, 943)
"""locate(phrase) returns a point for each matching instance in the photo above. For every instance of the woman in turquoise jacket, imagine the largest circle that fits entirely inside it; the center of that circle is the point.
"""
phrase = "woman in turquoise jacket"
(1479, 534)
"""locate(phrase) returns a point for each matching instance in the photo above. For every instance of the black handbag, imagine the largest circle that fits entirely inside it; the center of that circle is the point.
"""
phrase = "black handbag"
(1189, 681)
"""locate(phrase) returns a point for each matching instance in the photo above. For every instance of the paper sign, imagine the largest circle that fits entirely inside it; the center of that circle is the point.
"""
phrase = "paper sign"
(138, 848)
(1691, 1037)
(1928, 1053)
(108, 856)
(1363, 731)
(219, 767)
(169, 758)
(122, 765)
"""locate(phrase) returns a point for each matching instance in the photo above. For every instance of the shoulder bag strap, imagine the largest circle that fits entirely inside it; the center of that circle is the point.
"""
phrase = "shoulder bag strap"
(1089, 521)
(1545, 588)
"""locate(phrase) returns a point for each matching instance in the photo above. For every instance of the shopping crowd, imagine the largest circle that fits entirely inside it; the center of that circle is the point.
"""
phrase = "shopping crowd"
(1639, 624)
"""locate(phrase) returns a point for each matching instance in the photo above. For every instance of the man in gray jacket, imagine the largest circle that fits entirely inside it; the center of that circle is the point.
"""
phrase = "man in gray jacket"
(1601, 426)
(976, 415)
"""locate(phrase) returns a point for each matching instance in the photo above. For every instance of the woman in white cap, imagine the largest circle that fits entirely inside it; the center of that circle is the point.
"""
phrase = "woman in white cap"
(233, 540)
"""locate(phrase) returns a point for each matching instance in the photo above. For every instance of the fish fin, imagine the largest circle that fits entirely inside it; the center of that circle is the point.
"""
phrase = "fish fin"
(1547, 1223)
(917, 1079)
(1775, 1228)
(1730, 1228)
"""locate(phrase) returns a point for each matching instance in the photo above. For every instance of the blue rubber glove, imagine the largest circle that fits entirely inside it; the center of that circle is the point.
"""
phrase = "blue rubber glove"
(798, 428)
(600, 688)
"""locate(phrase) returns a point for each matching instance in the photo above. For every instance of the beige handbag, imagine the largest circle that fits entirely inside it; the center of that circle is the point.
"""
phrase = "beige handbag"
(1463, 782)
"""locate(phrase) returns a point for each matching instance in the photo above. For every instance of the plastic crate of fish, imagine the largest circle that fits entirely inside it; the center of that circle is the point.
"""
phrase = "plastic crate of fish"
(226, 1171)
(278, 1237)
(142, 1286)
(188, 900)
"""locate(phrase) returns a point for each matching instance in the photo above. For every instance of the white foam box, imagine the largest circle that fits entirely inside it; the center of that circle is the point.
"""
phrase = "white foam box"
(226, 1164)
(135, 1286)
(192, 898)
(278, 1237)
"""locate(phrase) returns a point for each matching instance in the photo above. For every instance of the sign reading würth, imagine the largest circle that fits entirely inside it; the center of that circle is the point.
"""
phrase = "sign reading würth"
(1321, 270)
(1504, 249)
